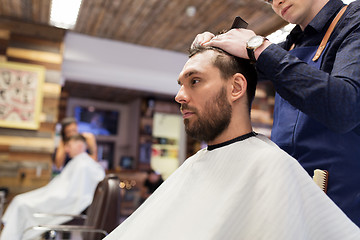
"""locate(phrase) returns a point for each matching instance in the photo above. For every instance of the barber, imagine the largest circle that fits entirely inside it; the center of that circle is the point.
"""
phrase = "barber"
(316, 75)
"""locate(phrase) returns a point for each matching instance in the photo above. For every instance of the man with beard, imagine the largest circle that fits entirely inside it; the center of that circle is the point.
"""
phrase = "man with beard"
(315, 73)
(242, 186)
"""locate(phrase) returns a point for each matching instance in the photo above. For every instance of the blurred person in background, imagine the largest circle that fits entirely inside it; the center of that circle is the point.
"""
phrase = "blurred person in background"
(151, 183)
(69, 128)
(70, 192)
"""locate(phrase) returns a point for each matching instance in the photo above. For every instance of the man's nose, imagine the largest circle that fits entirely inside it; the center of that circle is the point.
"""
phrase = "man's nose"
(181, 96)
(277, 2)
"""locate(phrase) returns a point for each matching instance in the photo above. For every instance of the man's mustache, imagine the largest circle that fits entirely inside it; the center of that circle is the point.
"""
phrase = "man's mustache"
(185, 106)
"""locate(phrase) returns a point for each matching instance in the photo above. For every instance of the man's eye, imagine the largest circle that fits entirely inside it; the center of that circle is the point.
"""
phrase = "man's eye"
(194, 81)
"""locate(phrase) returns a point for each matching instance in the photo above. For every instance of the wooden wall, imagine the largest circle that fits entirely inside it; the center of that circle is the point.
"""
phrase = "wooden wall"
(26, 155)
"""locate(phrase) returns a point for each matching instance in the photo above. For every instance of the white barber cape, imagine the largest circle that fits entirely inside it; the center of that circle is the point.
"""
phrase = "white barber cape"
(246, 190)
(69, 192)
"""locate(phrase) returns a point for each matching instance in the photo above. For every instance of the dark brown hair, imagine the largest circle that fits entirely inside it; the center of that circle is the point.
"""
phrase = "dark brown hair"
(64, 123)
(77, 137)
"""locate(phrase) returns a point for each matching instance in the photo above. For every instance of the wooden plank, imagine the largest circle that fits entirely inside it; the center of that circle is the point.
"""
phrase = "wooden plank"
(17, 9)
(107, 27)
(24, 133)
(181, 39)
(53, 76)
(26, 156)
(4, 34)
(50, 110)
(48, 126)
(26, 181)
(34, 55)
(29, 42)
(4, 148)
(30, 29)
(28, 144)
(165, 18)
(35, 11)
(51, 90)
(48, 116)
(3, 46)
(47, 65)
(100, 12)
(4, 41)
(144, 17)
(45, 11)
(127, 20)
(6, 7)
(26, 148)
(81, 21)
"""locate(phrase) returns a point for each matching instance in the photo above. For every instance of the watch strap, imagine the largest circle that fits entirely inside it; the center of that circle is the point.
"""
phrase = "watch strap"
(251, 50)
(251, 54)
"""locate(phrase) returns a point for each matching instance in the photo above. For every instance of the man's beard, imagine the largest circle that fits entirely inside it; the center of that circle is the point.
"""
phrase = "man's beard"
(216, 118)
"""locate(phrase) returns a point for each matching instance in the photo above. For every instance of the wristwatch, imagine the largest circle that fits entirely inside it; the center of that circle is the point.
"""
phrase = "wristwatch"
(252, 44)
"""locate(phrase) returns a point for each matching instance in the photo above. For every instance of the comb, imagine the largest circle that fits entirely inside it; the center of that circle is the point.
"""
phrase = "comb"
(321, 178)
(239, 23)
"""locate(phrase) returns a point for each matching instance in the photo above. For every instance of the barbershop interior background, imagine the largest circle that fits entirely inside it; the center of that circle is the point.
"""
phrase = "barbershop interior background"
(117, 60)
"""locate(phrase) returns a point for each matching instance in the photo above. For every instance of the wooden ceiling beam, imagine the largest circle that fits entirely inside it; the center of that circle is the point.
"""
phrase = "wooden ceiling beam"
(35, 30)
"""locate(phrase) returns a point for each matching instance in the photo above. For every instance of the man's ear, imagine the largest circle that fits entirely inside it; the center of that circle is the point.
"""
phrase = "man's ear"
(239, 86)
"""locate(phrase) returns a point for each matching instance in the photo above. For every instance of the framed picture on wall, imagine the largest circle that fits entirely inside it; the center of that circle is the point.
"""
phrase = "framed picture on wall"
(20, 95)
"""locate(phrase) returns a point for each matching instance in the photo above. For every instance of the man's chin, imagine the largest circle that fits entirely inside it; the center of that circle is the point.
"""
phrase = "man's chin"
(187, 123)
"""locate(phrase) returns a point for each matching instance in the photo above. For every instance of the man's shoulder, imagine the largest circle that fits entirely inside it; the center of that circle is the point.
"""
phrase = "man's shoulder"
(354, 4)
(82, 158)
(353, 10)
(258, 146)
(269, 147)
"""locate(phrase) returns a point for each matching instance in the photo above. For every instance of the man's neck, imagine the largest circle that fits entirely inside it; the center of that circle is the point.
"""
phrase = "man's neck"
(316, 8)
(237, 127)
(234, 140)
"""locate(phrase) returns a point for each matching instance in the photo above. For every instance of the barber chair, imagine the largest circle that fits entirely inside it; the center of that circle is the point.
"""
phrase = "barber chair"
(3, 193)
(102, 215)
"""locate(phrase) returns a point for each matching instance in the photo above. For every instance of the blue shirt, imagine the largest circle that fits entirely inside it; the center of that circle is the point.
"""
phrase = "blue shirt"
(330, 95)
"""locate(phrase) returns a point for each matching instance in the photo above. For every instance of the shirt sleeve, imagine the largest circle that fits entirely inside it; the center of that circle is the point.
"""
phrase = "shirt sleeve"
(331, 98)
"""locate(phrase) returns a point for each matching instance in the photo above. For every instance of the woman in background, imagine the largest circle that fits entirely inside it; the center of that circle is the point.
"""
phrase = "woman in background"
(69, 128)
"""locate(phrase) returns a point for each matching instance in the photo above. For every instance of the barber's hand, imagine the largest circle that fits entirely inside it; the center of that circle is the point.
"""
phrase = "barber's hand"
(233, 41)
(202, 38)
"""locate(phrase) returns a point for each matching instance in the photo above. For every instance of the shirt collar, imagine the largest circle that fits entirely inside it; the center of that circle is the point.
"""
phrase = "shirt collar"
(321, 20)
(325, 16)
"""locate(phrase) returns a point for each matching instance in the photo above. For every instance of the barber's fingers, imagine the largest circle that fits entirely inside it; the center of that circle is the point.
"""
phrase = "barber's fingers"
(202, 38)
(217, 41)
(233, 41)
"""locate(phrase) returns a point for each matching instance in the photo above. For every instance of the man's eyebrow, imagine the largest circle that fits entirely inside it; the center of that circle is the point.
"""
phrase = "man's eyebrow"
(187, 75)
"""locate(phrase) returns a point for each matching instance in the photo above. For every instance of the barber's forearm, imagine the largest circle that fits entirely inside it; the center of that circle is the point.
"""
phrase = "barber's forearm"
(260, 49)
(60, 157)
(93, 155)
